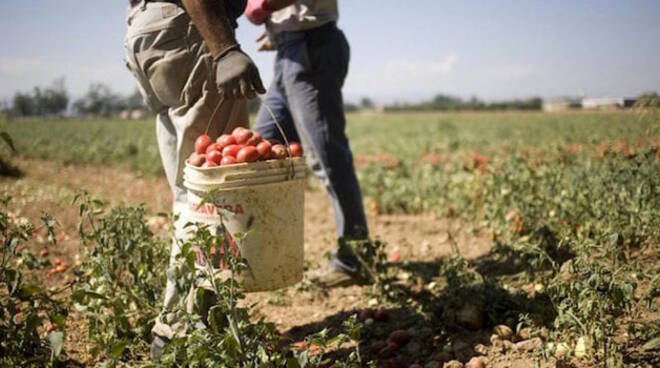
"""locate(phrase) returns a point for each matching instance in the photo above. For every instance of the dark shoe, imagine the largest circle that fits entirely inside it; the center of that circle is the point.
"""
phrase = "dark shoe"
(335, 274)
(157, 347)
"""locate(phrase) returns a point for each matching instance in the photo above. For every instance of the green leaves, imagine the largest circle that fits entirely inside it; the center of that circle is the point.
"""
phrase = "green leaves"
(117, 349)
(120, 283)
(26, 309)
(652, 344)
(5, 137)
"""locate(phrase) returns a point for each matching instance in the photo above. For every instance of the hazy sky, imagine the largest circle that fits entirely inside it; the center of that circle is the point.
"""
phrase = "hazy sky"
(401, 50)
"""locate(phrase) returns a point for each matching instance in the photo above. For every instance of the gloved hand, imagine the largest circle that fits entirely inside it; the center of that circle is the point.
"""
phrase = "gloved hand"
(236, 75)
(257, 11)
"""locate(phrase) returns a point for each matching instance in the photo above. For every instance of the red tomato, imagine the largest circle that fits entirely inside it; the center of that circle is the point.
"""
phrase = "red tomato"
(228, 160)
(381, 315)
(209, 164)
(377, 346)
(254, 140)
(274, 141)
(231, 150)
(279, 151)
(201, 143)
(247, 154)
(400, 337)
(196, 159)
(268, 156)
(238, 129)
(296, 149)
(365, 314)
(242, 135)
(225, 140)
(214, 156)
(213, 147)
(263, 148)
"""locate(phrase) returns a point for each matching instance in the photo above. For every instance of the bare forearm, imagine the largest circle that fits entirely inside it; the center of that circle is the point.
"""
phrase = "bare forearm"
(280, 4)
(211, 20)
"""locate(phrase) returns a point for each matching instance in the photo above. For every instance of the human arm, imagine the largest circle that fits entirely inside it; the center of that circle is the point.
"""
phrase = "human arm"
(236, 74)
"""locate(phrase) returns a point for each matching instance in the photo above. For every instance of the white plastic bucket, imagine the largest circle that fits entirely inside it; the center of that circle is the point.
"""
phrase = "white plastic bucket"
(264, 200)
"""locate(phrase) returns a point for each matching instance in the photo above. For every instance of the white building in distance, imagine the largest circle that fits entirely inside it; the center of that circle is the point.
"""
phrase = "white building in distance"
(607, 103)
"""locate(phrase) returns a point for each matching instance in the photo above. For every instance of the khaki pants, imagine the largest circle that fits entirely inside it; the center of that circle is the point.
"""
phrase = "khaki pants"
(175, 75)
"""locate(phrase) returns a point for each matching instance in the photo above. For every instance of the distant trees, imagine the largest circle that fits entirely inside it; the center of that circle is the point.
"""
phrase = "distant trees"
(99, 100)
(648, 100)
(648, 105)
(442, 102)
(49, 101)
(366, 103)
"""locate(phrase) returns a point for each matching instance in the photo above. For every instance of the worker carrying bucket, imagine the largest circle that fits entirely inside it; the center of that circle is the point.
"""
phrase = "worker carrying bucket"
(194, 75)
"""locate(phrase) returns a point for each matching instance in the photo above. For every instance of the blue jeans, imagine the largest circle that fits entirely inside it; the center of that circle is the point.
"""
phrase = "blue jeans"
(306, 98)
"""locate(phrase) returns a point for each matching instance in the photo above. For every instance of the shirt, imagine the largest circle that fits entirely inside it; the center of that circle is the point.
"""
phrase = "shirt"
(303, 15)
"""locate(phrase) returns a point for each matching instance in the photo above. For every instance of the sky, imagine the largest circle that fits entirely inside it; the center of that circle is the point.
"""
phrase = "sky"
(401, 51)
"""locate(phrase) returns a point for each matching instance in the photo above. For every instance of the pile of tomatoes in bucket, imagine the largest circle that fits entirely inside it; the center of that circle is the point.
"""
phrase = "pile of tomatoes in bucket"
(242, 145)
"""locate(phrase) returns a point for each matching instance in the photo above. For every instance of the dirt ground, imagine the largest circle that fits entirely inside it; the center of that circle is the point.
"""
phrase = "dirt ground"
(50, 187)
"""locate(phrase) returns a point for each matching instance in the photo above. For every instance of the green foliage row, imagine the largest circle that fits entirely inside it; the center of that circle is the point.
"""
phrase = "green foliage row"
(110, 143)
(406, 137)
(31, 318)
(121, 280)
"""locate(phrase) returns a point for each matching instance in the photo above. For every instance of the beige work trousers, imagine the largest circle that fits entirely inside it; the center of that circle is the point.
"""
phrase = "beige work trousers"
(175, 74)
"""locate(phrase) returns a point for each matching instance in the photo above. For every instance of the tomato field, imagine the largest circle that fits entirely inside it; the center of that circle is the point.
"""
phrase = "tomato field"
(498, 239)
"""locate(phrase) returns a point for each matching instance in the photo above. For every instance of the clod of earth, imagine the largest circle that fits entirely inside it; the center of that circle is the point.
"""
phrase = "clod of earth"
(476, 362)
(525, 333)
(503, 331)
(453, 364)
(470, 316)
(581, 349)
(529, 345)
(481, 349)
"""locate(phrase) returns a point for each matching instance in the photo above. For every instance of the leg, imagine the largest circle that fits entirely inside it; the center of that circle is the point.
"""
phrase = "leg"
(313, 73)
(167, 146)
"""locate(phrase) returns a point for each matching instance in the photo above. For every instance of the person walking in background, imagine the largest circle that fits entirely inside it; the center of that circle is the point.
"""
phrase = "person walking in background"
(306, 98)
(185, 59)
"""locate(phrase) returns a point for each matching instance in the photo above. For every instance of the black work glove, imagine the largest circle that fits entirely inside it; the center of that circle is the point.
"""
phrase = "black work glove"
(236, 75)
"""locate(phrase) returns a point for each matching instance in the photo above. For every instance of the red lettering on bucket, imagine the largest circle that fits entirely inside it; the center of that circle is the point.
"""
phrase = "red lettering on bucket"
(210, 209)
(206, 208)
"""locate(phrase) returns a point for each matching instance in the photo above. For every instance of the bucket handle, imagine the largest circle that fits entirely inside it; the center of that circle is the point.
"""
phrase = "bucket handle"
(279, 127)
